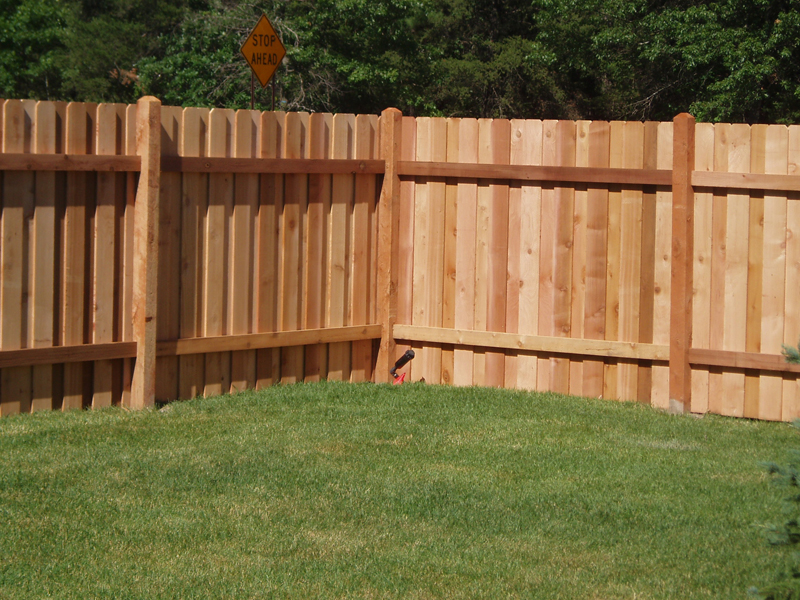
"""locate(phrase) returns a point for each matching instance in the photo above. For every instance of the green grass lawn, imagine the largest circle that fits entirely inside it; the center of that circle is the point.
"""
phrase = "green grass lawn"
(362, 491)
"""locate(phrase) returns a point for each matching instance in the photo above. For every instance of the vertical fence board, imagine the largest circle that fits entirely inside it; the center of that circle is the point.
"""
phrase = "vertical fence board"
(44, 236)
(319, 203)
(498, 251)
(294, 208)
(169, 254)
(703, 260)
(405, 263)
(647, 293)
(596, 251)
(339, 357)
(482, 244)
(270, 206)
(547, 255)
(126, 225)
(74, 251)
(194, 205)
(662, 285)
(630, 259)
(526, 149)
(718, 267)
(465, 250)
(755, 259)
(242, 271)
(450, 243)
(361, 243)
(110, 131)
(578, 286)
(215, 261)
(18, 203)
(774, 272)
(736, 247)
(613, 255)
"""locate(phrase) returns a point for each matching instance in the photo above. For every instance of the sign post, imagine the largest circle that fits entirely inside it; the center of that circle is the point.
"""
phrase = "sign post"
(263, 51)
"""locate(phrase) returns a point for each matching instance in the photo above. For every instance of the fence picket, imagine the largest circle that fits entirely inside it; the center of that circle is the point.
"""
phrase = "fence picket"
(790, 408)
(773, 263)
(405, 263)
(596, 250)
(703, 265)
(194, 205)
(215, 261)
(526, 149)
(450, 244)
(613, 254)
(268, 228)
(467, 195)
(579, 258)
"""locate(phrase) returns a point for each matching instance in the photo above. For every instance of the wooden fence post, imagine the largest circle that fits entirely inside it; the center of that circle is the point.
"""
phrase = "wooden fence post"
(388, 241)
(145, 251)
(680, 384)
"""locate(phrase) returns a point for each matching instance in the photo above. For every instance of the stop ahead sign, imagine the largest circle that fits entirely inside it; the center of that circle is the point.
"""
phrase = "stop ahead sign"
(263, 50)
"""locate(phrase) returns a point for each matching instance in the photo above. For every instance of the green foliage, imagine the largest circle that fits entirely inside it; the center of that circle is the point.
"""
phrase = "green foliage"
(792, 354)
(729, 60)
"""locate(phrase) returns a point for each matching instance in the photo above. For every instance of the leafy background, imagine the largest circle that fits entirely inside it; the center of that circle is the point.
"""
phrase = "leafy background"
(732, 60)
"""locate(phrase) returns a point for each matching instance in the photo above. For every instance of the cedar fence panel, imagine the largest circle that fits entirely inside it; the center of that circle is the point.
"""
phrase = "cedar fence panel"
(583, 257)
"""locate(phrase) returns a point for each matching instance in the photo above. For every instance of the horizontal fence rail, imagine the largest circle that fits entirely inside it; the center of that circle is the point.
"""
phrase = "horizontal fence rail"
(656, 262)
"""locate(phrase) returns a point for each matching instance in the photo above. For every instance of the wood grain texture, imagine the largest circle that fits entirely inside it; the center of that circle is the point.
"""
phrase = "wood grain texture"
(338, 286)
(790, 408)
(579, 258)
(405, 263)
(450, 245)
(526, 148)
(547, 256)
(217, 367)
(467, 197)
(268, 227)
(613, 258)
(703, 260)
(597, 232)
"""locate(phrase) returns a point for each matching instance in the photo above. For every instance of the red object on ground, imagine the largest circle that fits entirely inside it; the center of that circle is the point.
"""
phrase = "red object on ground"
(399, 380)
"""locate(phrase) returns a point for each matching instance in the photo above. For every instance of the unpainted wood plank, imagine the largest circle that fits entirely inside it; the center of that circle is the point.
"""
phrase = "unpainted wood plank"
(467, 192)
(194, 205)
(291, 267)
(422, 273)
(718, 266)
(482, 249)
(450, 245)
(268, 361)
(774, 272)
(405, 262)
(361, 243)
(74, 250)
(526, 148)
(662, 269)
(630, 259)
(701, 304)
(578, 286)
(126, 227)
(755, 266)
(215, 275)
(145, 252)
(43, 288)
(241, 244)
(18, 197)
(498, 251)
(548, 256)
(109, 131)
(736, 245)
(613, 257)
(790, 408)
(315, 255)
(596, 248)
(338, 287)
(647, 293)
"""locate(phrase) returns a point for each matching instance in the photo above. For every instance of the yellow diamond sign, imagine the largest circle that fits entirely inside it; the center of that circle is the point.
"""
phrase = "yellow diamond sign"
(263, 50)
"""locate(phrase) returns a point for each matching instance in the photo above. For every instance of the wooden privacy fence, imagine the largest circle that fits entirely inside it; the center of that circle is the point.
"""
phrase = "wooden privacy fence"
(214, 251)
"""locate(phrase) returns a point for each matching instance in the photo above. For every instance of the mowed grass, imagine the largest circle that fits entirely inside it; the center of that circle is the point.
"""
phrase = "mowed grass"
(362, 491)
